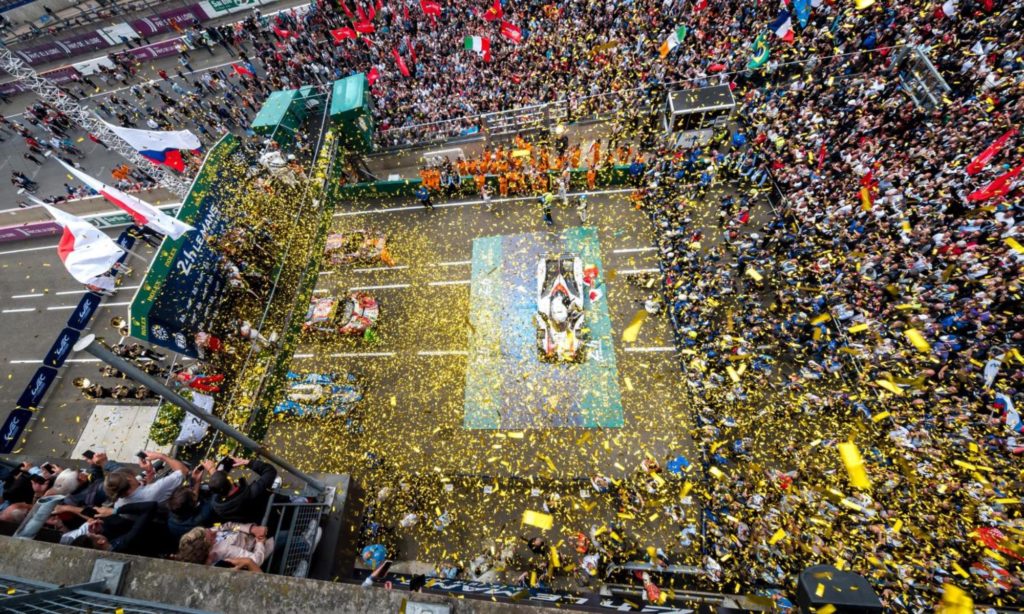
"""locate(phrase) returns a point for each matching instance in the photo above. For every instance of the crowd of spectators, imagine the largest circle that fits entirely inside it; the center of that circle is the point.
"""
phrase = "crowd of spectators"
(873, 301)
(207, 515)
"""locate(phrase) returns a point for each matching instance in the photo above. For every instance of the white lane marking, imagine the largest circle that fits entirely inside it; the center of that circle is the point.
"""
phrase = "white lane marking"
(36, 362)
(27, 295)
(362, 354)
(302, 356)
(638, 271)
(660, 348)
(453, 263)
(384, 287)
(470, 203)
(321, 291)
(65, 307)
(634, 250)
(455, 282)
(83, 291)
(442, 353)
(381, 268)
(325, 273)
(20, 310)
(27, 249)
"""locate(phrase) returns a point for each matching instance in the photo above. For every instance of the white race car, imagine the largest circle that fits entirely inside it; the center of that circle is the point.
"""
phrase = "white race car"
(560, 307)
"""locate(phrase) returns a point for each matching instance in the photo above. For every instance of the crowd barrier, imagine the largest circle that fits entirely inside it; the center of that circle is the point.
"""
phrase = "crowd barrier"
(613, 176)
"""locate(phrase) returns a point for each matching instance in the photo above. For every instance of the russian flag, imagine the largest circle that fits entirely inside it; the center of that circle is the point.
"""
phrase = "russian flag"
(86, 252)
(160, 146)
(783, 26)
(142, 212)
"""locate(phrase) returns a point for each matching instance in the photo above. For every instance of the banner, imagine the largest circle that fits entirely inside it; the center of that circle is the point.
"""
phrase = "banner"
(60, 76)
(61, 348)
(83, 313)
(161, 22)
(33, 394)
(10, 432)
(184, 286)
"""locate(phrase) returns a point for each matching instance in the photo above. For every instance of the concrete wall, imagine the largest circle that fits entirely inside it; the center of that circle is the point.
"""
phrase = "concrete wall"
(223, 590)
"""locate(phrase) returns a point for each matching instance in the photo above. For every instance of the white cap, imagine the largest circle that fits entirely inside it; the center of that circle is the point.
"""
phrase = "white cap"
(66, 482)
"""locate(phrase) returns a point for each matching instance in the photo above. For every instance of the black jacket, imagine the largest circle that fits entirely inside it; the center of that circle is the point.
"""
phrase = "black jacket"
(249, 501)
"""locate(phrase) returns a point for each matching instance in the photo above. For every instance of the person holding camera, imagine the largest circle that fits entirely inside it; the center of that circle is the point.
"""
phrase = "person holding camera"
(123, 487)
(238, 501)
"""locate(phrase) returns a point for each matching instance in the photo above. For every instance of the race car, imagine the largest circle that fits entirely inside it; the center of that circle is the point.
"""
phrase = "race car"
(357, 246)
(560, 308)
(319, 394)
(351, 315)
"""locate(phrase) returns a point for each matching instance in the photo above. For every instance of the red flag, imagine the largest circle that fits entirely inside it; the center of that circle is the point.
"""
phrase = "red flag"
(979, 163)
(494, 13)
(412, 52)
(511, 31)
(341, 34)
(348, 11)
(401, 63)
(700, 5)
(430, 8)
(280, 32)
(364, 27)
(372, 12)
(361, 13)
(822, 152)
(242, 70)
(373, 75)
(1000, 186)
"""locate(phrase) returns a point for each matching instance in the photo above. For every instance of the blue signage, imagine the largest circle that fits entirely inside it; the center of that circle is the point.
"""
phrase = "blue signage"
(37, 387)
(61, 348)
(86, 309)
(16, 422)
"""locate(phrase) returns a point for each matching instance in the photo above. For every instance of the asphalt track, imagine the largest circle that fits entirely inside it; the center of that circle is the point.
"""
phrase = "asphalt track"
(36, 298)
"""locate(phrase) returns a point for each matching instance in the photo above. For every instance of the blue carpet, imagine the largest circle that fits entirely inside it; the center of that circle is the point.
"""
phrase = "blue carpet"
(507, 385)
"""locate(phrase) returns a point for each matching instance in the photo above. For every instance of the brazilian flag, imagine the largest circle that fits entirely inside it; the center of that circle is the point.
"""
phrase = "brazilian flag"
(761, 53)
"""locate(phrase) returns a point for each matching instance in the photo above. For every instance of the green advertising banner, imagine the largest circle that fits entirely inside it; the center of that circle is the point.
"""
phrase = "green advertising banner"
(183, 286)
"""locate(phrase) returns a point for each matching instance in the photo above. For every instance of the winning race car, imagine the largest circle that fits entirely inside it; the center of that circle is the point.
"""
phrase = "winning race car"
(357, 246)
(351, 315)
(319, 394)
(560, 308)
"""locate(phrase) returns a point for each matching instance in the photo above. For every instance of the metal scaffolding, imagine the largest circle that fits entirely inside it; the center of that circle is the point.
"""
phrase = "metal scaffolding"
(84, 117)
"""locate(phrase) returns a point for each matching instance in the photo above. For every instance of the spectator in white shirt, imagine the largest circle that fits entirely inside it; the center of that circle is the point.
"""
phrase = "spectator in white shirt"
(123, 487)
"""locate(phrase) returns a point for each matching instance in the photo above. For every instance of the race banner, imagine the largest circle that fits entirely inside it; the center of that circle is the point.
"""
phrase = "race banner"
(61, 348)
(83, 313)
(37, 387)
(184, 286)
(11, 431)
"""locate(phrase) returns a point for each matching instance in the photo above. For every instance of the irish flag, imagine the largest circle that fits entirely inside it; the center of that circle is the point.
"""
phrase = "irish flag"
(160, 146)
(84, 249)
(673, 41)
(478, 44)
(142, 212)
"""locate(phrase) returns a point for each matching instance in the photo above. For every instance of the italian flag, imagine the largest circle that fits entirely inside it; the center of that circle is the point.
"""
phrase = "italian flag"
(479, 45)
(673, 40)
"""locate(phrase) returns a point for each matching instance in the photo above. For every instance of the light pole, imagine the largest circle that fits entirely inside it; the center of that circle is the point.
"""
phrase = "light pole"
(89, 344)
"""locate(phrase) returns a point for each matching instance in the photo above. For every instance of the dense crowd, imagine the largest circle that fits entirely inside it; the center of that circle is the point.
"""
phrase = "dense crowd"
(875, 304)
(873, 299)
(208, 515)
